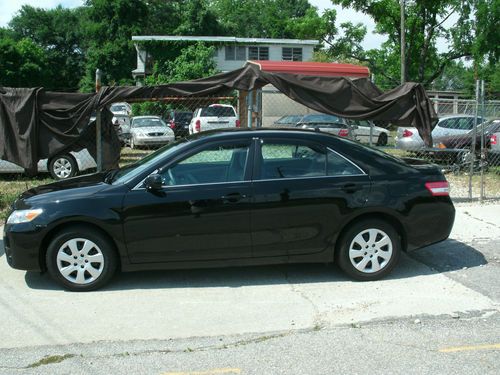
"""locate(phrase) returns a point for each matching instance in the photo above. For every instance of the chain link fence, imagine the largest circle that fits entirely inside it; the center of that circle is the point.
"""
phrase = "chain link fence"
(466, 140)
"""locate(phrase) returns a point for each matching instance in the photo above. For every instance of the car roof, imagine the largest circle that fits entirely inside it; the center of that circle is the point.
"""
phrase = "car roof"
(458, 116)
(135, 117)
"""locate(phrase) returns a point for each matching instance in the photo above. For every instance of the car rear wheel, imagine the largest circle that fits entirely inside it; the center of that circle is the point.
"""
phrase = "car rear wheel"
(62, 166)
(369, 250)
(382, 139)
(81, 259)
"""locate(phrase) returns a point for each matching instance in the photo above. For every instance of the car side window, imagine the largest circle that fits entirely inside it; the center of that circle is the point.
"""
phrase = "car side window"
(339, 166)
(447, 124)
(217, 164)
(295, 160)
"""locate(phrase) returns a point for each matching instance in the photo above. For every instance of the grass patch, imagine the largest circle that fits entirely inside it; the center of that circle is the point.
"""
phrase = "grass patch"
(11, 185)
(50, 360)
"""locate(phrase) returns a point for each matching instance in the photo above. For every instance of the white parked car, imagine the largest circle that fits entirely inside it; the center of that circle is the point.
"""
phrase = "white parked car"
(380, 136)
(121, 109)
(60, 167)
(409, 139)
(215, 116)
(149, 131)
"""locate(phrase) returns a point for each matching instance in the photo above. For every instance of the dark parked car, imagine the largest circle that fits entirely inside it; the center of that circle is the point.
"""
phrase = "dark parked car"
(327, 123)
(288, 120)
(179, 123)
(233, 197)
(458, 147)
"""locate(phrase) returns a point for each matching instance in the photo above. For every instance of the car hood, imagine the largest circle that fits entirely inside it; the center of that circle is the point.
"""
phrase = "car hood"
(150, 129)
(71, 188)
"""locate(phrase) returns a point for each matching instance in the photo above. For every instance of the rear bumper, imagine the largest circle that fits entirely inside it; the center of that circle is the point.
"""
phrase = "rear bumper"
(409, 143)
(22, 246)
(429, 223)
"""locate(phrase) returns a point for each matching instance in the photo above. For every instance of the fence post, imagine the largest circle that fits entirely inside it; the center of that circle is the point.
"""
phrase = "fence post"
(98, 123)
(483, 150)
(249, 108)
(473, 140)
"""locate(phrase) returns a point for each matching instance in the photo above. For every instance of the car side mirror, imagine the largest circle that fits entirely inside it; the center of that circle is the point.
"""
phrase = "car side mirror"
(153, 182)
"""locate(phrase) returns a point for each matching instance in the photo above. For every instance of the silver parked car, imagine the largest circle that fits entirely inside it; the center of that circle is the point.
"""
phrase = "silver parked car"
(60, 166)
(380, 136)
(149, 131)
(409, 139)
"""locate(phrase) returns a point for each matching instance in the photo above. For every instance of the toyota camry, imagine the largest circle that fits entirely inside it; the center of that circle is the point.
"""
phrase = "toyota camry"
(232, 198)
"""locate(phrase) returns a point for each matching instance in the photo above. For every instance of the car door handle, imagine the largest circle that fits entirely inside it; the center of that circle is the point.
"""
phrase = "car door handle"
(351, 188)
(233, 197)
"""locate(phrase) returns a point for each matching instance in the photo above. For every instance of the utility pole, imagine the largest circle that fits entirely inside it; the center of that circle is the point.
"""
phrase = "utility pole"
(403, 60)
(98, 123)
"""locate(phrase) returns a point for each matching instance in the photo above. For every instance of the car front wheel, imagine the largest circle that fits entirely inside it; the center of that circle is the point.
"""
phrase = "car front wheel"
(368, 250)
(62, 166)
(81, 259)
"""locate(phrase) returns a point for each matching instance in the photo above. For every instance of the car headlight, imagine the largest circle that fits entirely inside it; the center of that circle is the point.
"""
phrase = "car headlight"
(23, 216)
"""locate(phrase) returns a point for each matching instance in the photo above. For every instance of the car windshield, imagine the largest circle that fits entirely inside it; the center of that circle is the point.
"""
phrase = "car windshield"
(118, 108)
(147, 122)
(128, 172)
(320, 118)
(217, 111)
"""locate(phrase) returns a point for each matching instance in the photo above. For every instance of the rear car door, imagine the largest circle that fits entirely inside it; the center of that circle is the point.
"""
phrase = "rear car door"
(201, 213)
(302, 192)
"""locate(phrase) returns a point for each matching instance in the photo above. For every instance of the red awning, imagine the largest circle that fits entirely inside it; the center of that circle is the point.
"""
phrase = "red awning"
(312, 68)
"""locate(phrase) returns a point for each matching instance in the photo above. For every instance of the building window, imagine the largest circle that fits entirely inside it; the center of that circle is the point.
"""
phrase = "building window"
(236, 53)
(291, 54)
(258, 53)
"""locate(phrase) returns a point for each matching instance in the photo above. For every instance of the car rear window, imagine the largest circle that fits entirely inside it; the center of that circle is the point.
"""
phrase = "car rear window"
(322, 118)
(183, 116)
(218, 112)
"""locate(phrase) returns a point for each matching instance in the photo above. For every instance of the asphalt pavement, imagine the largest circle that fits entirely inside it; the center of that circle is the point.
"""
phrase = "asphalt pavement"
(304, 319)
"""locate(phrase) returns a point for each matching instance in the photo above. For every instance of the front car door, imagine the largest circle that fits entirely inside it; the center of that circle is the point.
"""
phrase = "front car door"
(202, 211)
(302, 190)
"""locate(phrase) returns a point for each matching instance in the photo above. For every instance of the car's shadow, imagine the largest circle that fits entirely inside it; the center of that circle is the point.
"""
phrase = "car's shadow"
(449, 255)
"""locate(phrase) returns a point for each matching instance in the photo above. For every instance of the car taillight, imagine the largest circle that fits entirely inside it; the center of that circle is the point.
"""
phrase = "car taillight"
(238, 123)
(197, 125)
(493, 139)
(343, 133)
(407, 133)
(438, 188)
(172, 124)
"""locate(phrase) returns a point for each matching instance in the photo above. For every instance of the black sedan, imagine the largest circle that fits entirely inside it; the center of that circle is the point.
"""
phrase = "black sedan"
(229, 198)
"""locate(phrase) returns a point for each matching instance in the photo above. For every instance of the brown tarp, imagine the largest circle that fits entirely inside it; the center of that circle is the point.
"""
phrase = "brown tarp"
(37, 124)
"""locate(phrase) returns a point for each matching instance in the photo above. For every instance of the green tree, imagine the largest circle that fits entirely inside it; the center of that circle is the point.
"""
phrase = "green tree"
(265, 18)
(57, 32)
(194, 61)
(22, 63)
(426, 22)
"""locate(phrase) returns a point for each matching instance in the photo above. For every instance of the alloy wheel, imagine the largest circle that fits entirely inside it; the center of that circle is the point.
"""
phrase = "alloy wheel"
(62, 168)
(80, 261)
(371, 250)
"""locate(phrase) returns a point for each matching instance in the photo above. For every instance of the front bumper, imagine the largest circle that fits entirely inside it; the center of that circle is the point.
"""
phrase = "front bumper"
(153, 141)
(22, 244)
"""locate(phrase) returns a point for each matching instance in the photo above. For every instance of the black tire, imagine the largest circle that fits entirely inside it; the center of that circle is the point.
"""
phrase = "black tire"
(343, 258)
(62, 166)
(109, 259)
(382, 139)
